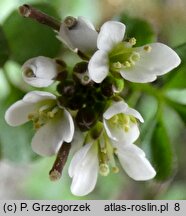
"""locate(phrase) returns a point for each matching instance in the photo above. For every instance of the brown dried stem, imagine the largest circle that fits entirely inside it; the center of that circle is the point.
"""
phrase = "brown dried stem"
(31, 12)
(56, 171)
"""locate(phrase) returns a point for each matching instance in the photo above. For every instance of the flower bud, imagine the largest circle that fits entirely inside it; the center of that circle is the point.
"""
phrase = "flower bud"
(107, 87)
(40, 71)
(67, 88)
(80, 67)
(86, 118)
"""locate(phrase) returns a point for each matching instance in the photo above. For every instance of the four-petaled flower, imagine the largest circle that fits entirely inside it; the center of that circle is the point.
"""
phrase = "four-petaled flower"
(121, 131)
(53, 124)
(135, 64)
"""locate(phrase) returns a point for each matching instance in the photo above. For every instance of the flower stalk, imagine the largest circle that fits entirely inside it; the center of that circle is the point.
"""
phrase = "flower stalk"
(31, 12)
(56, 171)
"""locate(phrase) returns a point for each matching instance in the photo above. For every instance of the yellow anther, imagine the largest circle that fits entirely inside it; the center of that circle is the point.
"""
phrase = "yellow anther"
(114, 119)
(126, 128)
(31, 116)
(126, 119)
(104, 169)
(37, 125)
(133, 119)
(132, 41)
(104, 150)
(50, 114)
(43, 108)
(147, 48)
(117, 65)
(135, 56)
(127, 64)
(115, 169)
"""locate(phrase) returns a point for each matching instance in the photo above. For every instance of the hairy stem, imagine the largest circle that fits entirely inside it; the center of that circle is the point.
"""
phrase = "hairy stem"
(56, 171)
(31, 12)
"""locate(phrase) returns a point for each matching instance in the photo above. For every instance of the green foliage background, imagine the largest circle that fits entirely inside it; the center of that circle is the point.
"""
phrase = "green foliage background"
(162, 103)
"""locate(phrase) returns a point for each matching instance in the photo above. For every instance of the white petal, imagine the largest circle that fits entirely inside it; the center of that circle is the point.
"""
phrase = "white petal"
(37, 96)
(98, 66)
(120, 135)
(17, 114)
(39, 71)
(134, 113)
(121, 107)
(115, 108)
(82, 36)
(85, 176)
(50, 137)
(160, 60)
(77, 141)
(111, 33)
(135, 163)
(68, 130)
(77, 158)
(138, 74)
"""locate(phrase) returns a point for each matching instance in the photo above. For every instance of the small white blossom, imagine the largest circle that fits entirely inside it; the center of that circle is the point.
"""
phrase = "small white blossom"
(120, 122)
(98, 155)
(135, 64)
(81, 35)
(40, 71)
(53, 124)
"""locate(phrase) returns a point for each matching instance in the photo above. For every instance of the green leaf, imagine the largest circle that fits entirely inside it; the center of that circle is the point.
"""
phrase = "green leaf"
(4, 49)
(28, 39)
(177, 95)
(138, 28)
(179, 108)
(162, 154)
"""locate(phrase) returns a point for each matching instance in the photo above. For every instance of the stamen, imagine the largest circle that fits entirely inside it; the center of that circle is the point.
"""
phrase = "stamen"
(117, 65)
(115, 169)
(147, 48)
(132, 41)
(126, 128)
(43, 108)
(127, 64)
(104, 169)
(31, 116)
(135, 56)
(133, 119)
(126, 119)
(52, 113)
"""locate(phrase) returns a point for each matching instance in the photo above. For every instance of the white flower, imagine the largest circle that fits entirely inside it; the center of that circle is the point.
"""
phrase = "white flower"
(135, 64)
(120, 122)
(116, 138)
(53, 124)
(40, 71)
(81, 35)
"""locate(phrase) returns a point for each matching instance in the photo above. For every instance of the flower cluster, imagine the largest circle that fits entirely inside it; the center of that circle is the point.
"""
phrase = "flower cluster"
(87, 111)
